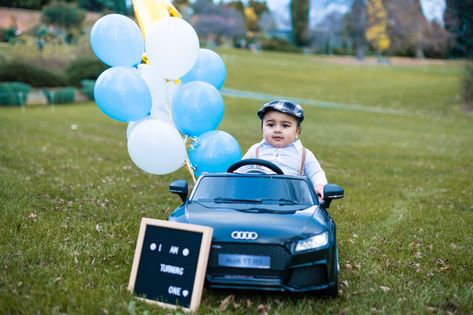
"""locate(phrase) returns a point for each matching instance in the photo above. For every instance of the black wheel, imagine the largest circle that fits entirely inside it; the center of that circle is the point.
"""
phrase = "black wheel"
(273, 167)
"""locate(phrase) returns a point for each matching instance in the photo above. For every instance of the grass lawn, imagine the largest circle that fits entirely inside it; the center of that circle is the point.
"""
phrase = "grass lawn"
(71, 200)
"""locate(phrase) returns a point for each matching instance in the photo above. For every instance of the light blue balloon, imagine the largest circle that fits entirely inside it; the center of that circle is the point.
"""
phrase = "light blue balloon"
(214, 152)
(197, 107)
(209, 67)
(117, 40)
(122, 94)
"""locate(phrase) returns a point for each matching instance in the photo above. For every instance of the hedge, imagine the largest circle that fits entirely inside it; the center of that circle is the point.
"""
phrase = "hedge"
(84, 69)
(63, 95)
(14, 93)
(37, 77)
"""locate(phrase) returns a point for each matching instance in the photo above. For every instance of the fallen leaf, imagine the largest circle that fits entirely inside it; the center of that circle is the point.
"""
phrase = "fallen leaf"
(226, 302)
(376, 310)
(388, 263)
(98, 227)
(264, 309)
(418, 255)
(349, 267)
(236, 305)
(248, 303)
(344, 311)
(385, 289)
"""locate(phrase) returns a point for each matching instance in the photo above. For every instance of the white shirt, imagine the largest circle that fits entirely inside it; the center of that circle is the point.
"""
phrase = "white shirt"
(289, 160)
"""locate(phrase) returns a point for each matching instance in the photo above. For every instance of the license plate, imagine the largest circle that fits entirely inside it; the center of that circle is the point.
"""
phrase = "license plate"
(244, 261)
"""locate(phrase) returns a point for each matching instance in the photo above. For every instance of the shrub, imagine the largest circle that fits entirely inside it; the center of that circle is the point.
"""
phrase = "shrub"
(88, 88)
(13, 93)
(63, 95)
(278, 44)
(84, 69)
(37, 77)
(467, 92)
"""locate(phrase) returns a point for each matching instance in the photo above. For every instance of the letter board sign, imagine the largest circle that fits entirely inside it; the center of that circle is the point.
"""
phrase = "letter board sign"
(170, 263)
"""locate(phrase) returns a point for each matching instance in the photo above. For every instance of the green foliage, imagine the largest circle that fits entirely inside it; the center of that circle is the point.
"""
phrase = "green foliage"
(84, 68)
(300, 21)
(24, 4)
(278, 44)
(35, 76)
(66, 15)
(9, 34)
(117, 6)
(88, 88)
(467, 92)
(62, 95)
(14, 93)
(459, 22)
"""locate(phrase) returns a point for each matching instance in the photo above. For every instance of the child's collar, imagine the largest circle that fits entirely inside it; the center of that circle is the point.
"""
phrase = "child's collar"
(297, 144)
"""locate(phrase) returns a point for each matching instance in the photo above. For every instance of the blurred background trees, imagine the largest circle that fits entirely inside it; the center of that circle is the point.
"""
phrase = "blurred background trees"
(348, 27)
(394, 28)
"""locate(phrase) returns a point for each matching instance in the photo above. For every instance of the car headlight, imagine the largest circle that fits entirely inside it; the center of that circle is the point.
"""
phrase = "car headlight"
(315, 241)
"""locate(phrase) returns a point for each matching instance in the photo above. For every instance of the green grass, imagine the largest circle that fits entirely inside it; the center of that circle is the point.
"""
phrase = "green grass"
(71, 199)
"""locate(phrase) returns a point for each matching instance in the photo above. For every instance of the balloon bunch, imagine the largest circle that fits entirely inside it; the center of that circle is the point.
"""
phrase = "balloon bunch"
(166, 87)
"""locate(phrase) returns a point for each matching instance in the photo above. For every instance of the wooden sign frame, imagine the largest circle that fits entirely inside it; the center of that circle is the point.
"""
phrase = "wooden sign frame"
(200, 271)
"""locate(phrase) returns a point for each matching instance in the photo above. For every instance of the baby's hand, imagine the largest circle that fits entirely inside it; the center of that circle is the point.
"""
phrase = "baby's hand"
(319, 190)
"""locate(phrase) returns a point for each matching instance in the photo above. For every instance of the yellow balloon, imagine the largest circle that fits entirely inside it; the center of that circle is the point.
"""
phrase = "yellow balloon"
(149, 11)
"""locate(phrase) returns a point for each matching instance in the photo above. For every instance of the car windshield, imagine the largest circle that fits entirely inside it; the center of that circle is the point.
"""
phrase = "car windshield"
(254, 193)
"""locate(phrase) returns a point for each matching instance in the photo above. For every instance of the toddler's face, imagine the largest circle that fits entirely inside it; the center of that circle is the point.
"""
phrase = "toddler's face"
(279, 129)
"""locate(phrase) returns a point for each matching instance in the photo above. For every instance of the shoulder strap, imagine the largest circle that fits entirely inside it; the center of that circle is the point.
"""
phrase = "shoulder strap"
(301, 170)
(257, 152)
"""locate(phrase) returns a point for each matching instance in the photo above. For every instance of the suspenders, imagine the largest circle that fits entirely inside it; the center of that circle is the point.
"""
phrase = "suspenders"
(301, 170)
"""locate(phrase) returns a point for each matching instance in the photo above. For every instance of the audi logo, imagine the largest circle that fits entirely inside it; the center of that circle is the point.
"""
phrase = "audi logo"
(244, 235)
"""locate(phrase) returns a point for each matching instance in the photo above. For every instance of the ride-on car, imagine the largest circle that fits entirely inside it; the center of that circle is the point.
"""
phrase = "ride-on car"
(270, 231)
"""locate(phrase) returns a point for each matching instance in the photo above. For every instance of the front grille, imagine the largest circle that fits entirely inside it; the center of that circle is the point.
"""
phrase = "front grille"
(279, 259)
(314, 275)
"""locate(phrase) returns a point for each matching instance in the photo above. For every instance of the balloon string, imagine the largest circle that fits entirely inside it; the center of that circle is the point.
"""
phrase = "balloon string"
(170, 84)
(189, 166)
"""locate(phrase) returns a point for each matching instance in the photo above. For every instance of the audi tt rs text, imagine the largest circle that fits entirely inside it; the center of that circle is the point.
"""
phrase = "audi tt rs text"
(270, 231)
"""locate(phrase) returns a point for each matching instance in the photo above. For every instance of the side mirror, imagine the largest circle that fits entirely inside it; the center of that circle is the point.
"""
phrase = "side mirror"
(180, 188)
(331, 192)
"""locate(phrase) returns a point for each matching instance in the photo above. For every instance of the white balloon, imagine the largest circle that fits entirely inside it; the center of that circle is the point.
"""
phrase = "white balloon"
(156, 147)
(160, 97)
(133, 124)
(172, 46)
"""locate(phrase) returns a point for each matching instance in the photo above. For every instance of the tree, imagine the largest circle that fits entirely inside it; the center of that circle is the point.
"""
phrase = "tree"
(357, 23)
(67, 18)
(251, 20)
(376, 33)
(118, 6)
(181, 4)
(407, 26)
(259, 7)
(459, 22)
(24, 4)
(217, 20)
(300, 21)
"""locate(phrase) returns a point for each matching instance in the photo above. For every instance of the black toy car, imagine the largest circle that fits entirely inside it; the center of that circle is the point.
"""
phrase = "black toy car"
(270, 232)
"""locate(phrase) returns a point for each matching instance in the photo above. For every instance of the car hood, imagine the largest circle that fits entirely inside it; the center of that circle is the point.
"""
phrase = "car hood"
(271, 227)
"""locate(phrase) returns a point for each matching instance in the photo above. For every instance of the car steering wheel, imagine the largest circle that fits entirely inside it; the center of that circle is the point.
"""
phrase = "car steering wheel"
(273, 167)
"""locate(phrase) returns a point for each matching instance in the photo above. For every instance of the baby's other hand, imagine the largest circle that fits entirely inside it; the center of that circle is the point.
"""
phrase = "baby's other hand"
(319, 190)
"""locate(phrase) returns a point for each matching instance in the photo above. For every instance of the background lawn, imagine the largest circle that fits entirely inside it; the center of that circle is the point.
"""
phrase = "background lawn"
(71, 200)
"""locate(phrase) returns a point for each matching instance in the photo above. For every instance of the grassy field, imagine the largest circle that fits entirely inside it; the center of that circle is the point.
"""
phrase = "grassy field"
(71, 199)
